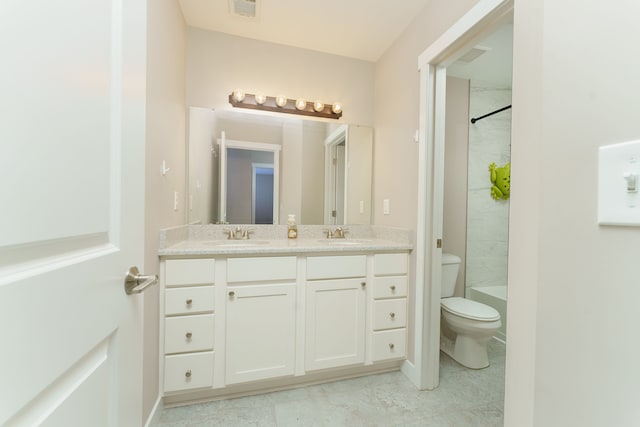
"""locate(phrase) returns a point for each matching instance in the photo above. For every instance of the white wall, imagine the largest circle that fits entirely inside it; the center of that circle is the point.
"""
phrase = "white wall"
(573, 316)
(395, 157)
(487, 219)
(218, 63)
(454, 226)
(165, 131)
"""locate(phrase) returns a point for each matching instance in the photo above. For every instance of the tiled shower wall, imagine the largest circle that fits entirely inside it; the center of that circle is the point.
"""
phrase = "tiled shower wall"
(487, 219)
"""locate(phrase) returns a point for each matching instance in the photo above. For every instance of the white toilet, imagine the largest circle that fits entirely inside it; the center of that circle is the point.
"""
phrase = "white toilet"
(466, 325)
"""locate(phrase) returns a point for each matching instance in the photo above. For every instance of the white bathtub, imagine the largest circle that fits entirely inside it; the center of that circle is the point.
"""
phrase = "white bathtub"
(496, 297)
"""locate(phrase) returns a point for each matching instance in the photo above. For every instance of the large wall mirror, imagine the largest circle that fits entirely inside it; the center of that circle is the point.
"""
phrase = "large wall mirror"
(246, 168)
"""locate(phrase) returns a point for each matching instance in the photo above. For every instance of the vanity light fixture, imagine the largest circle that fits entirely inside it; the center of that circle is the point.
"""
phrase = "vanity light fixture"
(239, 95)
(301, 103)
(261, 98)
(282, 104)
(281, 101)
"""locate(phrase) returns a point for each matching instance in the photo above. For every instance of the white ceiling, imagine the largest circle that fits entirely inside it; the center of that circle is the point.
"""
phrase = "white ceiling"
(494, 66)
(361, 29)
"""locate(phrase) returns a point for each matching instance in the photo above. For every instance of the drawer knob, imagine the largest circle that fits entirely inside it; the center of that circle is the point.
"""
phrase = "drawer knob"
(393, 288)
(392, 315)
(391, 346)
(188, 374)
(189, 301)
(188, 335)
(363, 284)
(231, 294)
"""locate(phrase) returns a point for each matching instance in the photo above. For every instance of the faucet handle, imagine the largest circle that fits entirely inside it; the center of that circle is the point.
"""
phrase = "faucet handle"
(228, 232)
(328, 232)
(246, 232)
(339, 233)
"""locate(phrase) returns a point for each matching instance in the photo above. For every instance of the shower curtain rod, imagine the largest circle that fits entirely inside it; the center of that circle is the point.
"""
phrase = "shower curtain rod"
(475, 119)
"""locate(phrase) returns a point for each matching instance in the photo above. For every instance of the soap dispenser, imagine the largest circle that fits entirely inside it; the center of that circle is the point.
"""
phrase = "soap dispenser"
(292, 230)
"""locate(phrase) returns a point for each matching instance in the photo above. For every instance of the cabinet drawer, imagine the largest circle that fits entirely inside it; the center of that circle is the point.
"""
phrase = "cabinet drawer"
(335, 267)
(388, 264)
(390, 313)
(189, 333)
(389, 344)
(187, 371)
(189, 300)
(261, 269)
(185, 272)
(390, 287)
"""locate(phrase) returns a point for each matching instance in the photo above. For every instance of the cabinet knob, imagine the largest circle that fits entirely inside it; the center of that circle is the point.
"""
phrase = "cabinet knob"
(392, 315)
(231, 294)
(188, 374)
(189, 301)
(363, 284)
(188, 335)
(393, 288)
(391, 346)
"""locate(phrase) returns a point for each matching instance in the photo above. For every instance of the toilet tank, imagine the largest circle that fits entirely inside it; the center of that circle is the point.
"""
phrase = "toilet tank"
(450, 266)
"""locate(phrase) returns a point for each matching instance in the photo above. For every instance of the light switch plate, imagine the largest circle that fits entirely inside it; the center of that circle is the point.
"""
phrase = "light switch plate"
(617, 204)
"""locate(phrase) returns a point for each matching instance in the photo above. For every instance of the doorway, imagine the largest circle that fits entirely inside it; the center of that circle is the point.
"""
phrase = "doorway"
(433, 62)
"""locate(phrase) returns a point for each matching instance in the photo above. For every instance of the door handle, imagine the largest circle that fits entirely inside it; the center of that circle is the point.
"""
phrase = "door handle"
(135, 283)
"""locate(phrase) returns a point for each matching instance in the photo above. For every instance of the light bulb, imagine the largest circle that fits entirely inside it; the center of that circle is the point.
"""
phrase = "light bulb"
(301, 104)
(318, 106)
(281, 100)
(336, 107)
(260, 98)
(238, 95)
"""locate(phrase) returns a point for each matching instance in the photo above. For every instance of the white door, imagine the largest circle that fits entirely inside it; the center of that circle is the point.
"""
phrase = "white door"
(72, 134)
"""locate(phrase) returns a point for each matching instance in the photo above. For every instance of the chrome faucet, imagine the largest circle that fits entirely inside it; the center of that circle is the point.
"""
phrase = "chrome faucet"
(338, 233)
(239, 233)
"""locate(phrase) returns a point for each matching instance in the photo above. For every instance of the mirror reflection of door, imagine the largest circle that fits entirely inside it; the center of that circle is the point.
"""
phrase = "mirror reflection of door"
(262, 194)
(335, 176)
(249, 182)
(339, 161)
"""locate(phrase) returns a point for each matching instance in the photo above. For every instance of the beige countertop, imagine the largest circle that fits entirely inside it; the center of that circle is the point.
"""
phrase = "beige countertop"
(208, 240)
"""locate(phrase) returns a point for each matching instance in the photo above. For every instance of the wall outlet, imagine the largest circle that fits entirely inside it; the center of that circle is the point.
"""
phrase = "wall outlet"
(175, 200)
(385, 206)
(361, 206)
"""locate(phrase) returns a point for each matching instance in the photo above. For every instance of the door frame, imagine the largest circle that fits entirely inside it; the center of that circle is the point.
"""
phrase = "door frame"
(478, 22)
(224, 144)
(338, 136)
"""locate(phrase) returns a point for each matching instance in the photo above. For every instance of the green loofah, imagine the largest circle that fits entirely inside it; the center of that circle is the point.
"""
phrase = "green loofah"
(501, 180)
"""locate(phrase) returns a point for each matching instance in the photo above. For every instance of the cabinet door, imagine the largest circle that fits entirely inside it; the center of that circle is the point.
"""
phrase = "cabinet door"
(260, 331)
(335, 327)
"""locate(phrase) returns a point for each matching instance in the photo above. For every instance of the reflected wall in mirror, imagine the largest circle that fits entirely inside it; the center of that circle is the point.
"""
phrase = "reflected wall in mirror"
(321, 171)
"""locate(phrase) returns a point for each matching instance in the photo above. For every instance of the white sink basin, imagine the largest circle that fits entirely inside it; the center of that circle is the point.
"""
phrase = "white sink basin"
(344, 242)
(236, 243)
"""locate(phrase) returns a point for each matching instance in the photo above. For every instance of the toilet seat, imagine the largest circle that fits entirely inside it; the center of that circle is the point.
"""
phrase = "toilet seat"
(469, 309)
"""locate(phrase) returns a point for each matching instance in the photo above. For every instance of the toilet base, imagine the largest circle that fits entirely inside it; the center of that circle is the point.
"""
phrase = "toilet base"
(465, 350)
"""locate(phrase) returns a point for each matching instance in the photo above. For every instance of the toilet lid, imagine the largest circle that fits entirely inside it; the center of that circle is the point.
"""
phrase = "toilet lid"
(470, 309)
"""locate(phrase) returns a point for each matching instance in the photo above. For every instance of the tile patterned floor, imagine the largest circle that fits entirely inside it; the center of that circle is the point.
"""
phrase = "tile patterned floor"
(465, 397)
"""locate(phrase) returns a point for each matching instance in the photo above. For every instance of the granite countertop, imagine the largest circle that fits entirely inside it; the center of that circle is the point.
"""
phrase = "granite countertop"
(206, 240)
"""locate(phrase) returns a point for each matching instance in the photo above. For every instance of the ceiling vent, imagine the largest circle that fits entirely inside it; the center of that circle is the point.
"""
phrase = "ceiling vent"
(473, 54)
(243, 8)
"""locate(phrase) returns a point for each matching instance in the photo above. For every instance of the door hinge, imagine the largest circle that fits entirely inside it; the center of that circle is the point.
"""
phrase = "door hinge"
(439, 243)
(334, 214)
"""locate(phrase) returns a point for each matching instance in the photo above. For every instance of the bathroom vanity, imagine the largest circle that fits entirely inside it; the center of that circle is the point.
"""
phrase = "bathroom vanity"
(246, 316)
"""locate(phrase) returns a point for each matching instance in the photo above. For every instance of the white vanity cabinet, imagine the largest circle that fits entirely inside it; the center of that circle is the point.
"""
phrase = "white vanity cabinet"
(236, 323)
(335, 311)
(389, 307)
(260, 318)
(189, 319)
